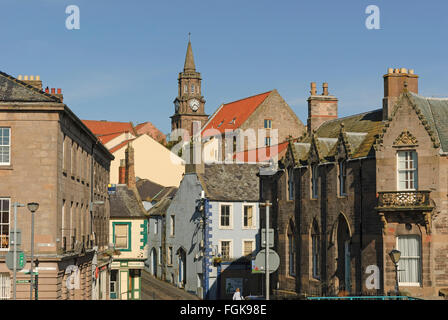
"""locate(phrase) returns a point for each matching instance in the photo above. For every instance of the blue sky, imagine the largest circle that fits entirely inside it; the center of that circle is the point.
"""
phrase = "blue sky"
(123, 63)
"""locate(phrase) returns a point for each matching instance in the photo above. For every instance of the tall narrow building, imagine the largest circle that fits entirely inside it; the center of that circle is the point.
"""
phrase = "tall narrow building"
(189, 103)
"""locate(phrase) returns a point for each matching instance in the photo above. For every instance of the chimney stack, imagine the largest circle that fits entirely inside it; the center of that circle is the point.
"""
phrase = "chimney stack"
(31, 80)
(321, 108)
(130, 167)
(195, 163)
(396, 81)
(122, 172)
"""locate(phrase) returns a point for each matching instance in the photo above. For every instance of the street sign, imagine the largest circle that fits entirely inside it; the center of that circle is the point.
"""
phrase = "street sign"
(23, 281)
(20, 260)
(270, 237)
(259, 263)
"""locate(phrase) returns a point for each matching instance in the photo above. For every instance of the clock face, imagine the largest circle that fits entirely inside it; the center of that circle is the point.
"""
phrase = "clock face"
(194, 104)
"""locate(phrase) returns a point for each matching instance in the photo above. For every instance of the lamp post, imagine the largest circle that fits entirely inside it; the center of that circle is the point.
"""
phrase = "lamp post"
(395, 257)
(32, 206)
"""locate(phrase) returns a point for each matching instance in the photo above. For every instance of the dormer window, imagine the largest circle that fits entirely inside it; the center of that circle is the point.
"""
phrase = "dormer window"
(233, 121)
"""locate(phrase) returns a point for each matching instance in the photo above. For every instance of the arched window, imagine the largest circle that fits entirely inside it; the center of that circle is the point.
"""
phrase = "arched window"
(315, 250)
(192, 88)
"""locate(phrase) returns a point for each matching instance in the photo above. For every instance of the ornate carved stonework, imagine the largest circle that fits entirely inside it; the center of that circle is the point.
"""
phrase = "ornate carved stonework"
(405, 139)
(404, 199)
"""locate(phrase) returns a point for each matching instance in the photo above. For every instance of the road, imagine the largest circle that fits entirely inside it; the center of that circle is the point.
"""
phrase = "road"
(155, 289)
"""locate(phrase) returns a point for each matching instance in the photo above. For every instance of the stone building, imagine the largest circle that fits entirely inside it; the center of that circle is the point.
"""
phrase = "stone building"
(254, 123)
(48, 156)
(354, 188)
(189, 105)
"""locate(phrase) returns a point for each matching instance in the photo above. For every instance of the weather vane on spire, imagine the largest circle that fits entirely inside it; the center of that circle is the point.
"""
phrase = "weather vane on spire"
(189, 34)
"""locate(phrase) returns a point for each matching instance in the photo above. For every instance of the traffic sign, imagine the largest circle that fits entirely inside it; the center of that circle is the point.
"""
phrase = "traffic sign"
(270, 237)
(19, 237)
(259, 264)
(20, 260)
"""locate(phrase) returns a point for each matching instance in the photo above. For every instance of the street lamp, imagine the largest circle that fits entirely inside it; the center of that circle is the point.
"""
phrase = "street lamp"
(32, 206)
(395, 257)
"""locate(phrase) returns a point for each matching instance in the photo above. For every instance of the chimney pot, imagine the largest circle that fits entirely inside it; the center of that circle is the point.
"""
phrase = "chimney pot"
(25, 78)
(38, 78)
(397, 70)
(404, 70)
(59, 91)
(411, 71)
(390, 70)
(53, 91)
(325, 88)
(313, 89)
(20, 77)
(32, 78)
(47, 90)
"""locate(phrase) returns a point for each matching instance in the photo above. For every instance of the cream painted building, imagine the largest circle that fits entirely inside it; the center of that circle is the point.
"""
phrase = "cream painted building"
(128, 232)
(153, 161)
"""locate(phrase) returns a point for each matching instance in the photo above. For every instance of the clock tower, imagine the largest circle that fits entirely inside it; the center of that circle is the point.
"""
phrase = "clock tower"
(189, 103)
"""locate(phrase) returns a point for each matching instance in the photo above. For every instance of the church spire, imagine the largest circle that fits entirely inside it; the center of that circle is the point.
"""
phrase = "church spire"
(189, 60)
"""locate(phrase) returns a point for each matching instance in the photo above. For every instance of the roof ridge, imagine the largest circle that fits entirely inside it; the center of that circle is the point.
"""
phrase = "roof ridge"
(253, 96)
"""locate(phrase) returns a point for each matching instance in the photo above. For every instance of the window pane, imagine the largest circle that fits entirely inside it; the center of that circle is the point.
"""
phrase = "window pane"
(225, 249)
(409, 263)
(225, 216)
(121, 236)
(247, 248)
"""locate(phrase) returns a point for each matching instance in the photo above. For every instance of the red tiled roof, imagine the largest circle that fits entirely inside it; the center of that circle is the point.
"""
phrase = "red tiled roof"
(100, 128)
(148, 128)
(121, 145)
(232, 115)
(108, 137)
(263, 154)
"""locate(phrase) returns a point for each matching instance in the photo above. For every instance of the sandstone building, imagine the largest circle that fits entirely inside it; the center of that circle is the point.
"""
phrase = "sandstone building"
(48, 156)
(354, 188)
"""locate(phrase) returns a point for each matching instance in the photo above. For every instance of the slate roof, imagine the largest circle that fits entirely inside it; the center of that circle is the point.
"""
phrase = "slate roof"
(232, 115)
(160, 208)
(148, 189)
(124, 204)
(231, 182)
(360, 132)
(435, 112)
(14, 90)
(167, 192)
